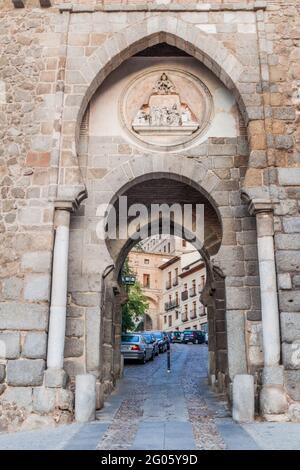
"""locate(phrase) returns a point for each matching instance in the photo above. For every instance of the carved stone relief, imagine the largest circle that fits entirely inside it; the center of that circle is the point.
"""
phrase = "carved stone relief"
(166, 108)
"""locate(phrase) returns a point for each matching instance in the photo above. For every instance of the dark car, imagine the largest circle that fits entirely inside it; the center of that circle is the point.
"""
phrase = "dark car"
(193, 336)
(162, 339)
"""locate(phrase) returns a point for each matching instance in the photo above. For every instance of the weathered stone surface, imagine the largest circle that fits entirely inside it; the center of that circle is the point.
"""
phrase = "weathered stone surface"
(273, 400)
(243, 398)
(273, 375)
(292, 383)
(294, 413)
(36, 261)
(35, 421)
(65, 399)
(25, 372)
(284, 281)
(289, 176)
(2, 372)
(289, 301)
(290, 326)
(43, 399)
(16, 316)
(291, 224)
(85, 398)
(12, 288)
(9, 345)
(73, 347)
(237, 362)
(37, 287)
(35, 346)
(22, 396)
(288, 261)
(291, 355)
(75, 327)
(55, 378)
(238, 298)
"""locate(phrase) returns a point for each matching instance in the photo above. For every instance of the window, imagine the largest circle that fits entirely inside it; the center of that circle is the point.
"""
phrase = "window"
(170, 320)
(146, 261)
(165, 249)
(177, 298)
(176, 314)
(146, 280)
(169, 247)
(184, 243)
(185, 286)
(165, 319)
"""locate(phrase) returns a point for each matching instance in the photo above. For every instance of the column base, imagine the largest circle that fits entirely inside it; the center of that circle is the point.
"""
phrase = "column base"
(243, 398)
(273, 400)
(55, 378)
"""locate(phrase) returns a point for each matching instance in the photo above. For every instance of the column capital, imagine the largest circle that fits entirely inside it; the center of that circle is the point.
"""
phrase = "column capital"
(259, 206)
(65, 205)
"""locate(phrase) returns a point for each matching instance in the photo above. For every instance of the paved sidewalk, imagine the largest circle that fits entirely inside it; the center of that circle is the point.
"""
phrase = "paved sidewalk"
(154, 410)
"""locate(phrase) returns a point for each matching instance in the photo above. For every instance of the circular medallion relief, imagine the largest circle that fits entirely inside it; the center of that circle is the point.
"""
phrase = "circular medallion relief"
(166, 107)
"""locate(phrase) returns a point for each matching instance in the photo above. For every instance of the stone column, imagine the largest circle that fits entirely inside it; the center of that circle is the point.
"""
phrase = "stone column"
(272, 398)
(55, 375)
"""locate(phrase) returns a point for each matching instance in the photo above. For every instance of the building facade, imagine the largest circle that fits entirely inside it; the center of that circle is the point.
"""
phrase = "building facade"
(146, 268)
(160, 103)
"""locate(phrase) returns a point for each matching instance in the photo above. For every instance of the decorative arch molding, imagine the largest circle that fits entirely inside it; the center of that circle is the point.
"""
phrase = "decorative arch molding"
(87, 75)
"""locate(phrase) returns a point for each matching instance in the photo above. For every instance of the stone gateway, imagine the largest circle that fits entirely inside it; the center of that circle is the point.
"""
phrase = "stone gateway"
(161, 102)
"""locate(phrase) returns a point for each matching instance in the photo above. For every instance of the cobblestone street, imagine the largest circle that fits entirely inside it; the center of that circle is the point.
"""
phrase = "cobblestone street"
(152, 409)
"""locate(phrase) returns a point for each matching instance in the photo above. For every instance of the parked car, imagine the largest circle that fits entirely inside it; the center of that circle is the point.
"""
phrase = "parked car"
(153, 340)
(134, 346)
(162, 339)
(193, 336)
(176, 337)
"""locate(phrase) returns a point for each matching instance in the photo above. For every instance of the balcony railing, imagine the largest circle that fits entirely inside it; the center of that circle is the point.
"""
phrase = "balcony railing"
(171, 304)
(193, 314)
(175, 281)
(168, 284)
(185, 295)
(192, 291)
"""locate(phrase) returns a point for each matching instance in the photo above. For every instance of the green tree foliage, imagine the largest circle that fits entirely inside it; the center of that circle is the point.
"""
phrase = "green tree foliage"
(136, 305)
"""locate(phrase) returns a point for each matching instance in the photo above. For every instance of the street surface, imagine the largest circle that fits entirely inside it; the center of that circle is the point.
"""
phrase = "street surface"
(154, 409)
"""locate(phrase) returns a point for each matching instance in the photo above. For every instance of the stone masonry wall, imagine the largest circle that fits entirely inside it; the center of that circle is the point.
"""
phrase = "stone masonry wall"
(40, 55)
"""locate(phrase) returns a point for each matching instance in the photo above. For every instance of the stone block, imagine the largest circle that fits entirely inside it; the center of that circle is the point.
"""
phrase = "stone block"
(2, 373)
(290, 326)
(85, 398)
(284, 281)
(64, 399)
(37, 287)
(294, 412)
(288, 261)
(86, 299)
(92, 338)
(30, 216)
(22, 396)
(43, 400)
(238, 298)
(291, 224)
(37, 261)
(25, 372)
(292, 383)
(289, 301)
(243, 398)
(287, 241)
(289, 176)
(16, 316)
(273, 375)
(73, 347)
(291, 355)
(35, 345)
(273, 400)
(74, 327)
(9, 345)
(237, 362)
(55, 378)
(12, 288)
